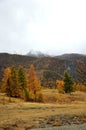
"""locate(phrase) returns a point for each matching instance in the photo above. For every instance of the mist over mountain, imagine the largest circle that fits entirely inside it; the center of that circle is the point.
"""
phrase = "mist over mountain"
(36, 54)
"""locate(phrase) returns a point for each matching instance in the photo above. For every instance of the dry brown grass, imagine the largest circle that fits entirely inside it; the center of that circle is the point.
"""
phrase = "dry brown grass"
(22, 113)
(28, 112)
(52, 96)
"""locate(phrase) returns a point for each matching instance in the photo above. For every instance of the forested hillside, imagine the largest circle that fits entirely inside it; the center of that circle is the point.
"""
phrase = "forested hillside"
(48, 69)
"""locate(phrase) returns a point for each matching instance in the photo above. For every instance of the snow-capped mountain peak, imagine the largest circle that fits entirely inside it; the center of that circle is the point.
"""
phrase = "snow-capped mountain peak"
(36, 53)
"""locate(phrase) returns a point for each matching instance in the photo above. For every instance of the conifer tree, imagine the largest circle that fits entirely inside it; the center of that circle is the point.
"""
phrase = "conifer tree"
(22, 80)
(68, 83)
(7, 82)
(14, 85)
(33, 83)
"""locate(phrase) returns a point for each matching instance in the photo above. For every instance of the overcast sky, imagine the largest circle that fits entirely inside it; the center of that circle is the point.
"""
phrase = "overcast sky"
(52, 26)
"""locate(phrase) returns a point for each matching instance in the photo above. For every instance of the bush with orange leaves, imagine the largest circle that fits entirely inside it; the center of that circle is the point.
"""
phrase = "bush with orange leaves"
(80, 87)
(60, 86)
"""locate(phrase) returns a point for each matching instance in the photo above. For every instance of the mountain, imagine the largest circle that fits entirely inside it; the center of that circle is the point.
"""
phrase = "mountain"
(73, 57)
(48, 68)
(36, 54)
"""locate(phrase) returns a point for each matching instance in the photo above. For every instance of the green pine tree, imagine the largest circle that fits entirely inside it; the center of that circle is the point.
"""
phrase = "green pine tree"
(14, 85)
(68, 83)
(22, 81)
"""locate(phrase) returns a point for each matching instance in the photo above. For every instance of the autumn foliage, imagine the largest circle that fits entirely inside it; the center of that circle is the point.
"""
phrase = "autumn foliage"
(6, 87)
(33, 84)
(60, 86)
(16, 83)
(22, 83)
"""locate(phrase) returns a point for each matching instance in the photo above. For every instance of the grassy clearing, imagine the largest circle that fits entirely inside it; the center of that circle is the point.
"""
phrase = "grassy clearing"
(16, 110)
(52, 96)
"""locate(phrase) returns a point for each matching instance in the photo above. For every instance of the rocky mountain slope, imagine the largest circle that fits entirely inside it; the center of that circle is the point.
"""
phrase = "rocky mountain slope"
(48, 67)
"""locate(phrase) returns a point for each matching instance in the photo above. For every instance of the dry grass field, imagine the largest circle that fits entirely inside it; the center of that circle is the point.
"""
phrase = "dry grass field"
(19, 115)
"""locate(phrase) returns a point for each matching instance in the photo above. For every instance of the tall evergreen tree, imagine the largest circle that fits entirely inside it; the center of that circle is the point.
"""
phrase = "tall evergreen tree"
(68, 83)
(22, 80)
(7, 82)
(33, 82)
(14, 85)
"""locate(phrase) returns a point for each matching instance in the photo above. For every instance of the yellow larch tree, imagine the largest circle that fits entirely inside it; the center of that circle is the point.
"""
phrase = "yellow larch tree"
(7, 82)
(33, 83)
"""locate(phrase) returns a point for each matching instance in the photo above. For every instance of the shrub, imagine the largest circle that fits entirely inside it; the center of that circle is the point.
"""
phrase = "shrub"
(39, 97)
(80, 87)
